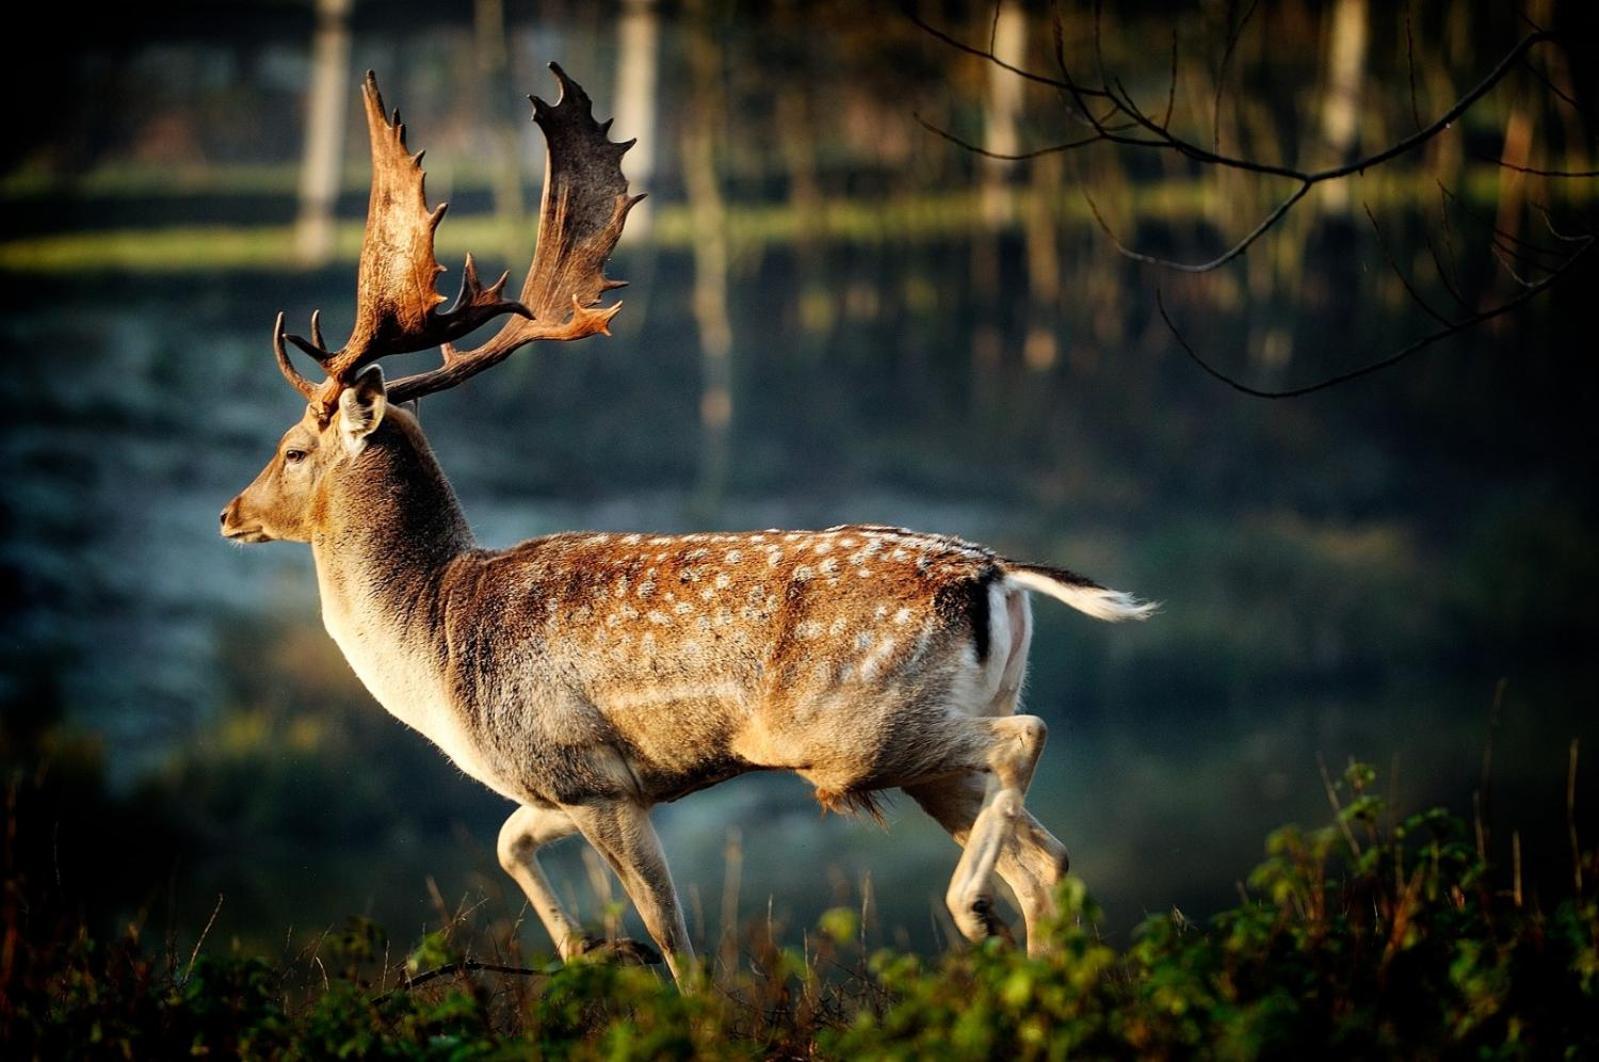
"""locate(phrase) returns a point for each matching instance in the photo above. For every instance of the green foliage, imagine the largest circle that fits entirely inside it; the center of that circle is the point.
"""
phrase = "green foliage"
(1368, 936)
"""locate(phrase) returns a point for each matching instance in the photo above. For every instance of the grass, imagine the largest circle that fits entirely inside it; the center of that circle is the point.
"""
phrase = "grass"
(1374, 935)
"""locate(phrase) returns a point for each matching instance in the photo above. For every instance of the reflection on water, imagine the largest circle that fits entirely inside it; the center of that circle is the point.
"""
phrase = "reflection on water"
(1351, 575)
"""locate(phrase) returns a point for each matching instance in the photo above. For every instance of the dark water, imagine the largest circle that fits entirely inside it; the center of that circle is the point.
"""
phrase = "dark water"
(1350, 575)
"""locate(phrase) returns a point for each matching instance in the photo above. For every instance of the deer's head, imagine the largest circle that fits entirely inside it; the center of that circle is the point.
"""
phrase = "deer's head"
(585, 203)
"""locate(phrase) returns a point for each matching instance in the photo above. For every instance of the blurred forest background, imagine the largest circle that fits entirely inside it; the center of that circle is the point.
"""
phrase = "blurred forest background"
(836, 314)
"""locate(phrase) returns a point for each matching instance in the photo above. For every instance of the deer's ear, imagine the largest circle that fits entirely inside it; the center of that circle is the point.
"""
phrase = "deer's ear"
(361, 408)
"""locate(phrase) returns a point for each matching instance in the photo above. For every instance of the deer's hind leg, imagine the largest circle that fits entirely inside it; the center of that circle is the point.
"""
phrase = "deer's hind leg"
(620, 831)
(979, 801)
(1006, 750)
(1032, 862)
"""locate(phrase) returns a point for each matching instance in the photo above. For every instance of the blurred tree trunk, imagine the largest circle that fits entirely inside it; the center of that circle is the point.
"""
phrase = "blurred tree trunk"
(501, 124)
(637, 57)
(1008, 33)
(324, 133)
(797, 141)
(708, 216)
(1004, 110)
(1340, 105)
(1041, 232)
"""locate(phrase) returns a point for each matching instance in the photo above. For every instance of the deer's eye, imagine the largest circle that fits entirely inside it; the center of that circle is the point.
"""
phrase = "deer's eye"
(294, 457)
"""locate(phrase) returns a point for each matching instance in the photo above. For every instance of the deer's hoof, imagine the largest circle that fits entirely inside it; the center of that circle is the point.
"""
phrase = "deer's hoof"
(992, 925)
(623, 950)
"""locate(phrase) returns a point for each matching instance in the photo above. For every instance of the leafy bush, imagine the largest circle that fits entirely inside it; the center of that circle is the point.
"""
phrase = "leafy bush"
(1366, 937)
(1357, 940)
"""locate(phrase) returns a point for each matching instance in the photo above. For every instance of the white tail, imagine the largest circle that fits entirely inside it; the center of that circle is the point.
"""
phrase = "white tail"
(1112, 606)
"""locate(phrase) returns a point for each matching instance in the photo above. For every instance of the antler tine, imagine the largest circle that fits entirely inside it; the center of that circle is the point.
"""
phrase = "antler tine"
(396, 296)
(290, 373)
(314, 346)
(585, 204)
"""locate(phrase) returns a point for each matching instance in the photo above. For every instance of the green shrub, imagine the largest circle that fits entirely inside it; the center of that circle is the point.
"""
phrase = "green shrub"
(1365, 937)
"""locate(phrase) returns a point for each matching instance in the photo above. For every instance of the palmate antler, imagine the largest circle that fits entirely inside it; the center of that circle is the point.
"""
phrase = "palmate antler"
(584, 208)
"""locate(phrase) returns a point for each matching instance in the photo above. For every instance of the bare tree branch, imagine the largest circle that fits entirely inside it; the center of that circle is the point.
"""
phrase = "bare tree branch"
(1122, 122)
(1237, 249)
(466, 966)
(1160, 137)
(1309, 179)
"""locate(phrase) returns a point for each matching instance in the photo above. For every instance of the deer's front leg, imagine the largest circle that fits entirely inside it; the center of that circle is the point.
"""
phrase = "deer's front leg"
(527, 830)
(620, 831)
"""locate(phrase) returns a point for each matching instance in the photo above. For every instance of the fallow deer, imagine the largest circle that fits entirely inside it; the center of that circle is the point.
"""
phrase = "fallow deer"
(589, 676)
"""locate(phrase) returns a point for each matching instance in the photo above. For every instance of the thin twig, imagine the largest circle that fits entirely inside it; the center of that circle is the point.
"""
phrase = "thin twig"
(1525, 246)
(1233, 37)
(1549, 223)
(1020, 156)
(1338, 809)
(1535, 171)
(1552, 87)
(1450, 276)
(962, 46)
(465, 966)
(1222, 259)
(1382, 363)
(1527, 256)
(1171, 84)
(1398, 272)
(1498, 251)
(198, 944)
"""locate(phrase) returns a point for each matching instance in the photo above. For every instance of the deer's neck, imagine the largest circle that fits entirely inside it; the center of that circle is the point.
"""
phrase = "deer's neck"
(388, 529)
(391, 530)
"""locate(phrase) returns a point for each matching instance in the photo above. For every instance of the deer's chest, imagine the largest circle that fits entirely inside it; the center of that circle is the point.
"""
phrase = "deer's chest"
(411, 686)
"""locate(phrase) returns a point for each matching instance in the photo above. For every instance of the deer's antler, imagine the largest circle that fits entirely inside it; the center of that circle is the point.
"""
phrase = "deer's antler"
(396, 300)
(584, 207)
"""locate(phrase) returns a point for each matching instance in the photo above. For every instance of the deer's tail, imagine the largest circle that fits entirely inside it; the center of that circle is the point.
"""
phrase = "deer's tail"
(1078, 592)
